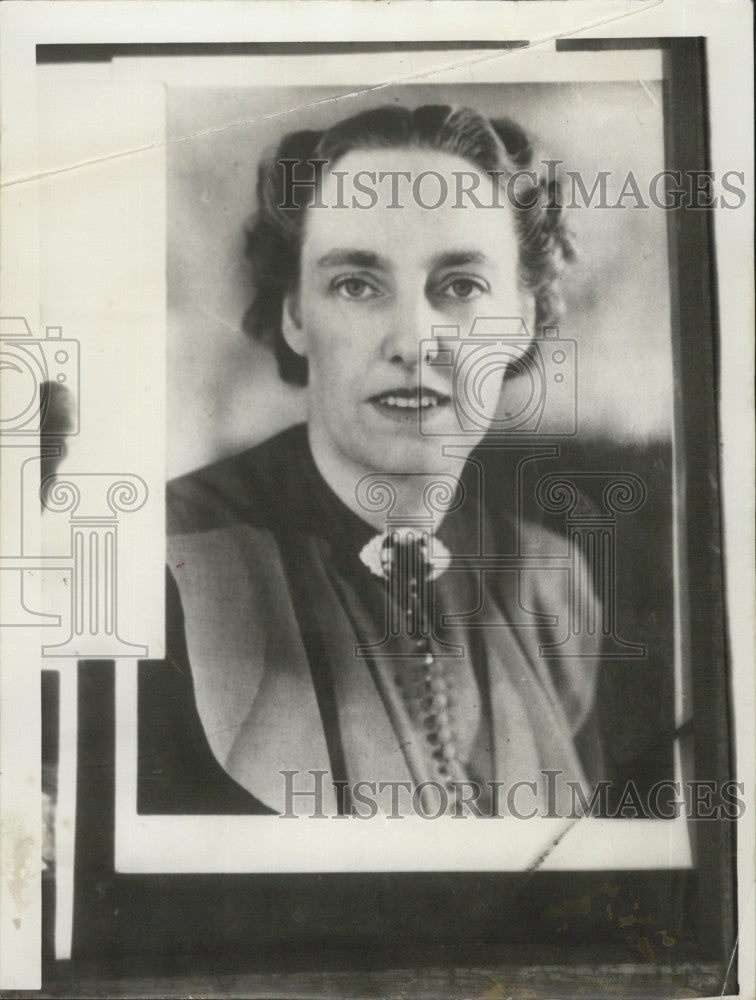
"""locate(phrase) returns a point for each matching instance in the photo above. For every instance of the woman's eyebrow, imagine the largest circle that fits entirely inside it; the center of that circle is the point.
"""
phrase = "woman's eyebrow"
(458, 258)
(349, 257)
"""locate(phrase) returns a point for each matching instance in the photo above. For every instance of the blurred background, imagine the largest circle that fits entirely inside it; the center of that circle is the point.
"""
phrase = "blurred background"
(224, 393)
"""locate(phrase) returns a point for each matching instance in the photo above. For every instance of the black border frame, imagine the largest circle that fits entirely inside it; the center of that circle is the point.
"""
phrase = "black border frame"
(149, 927)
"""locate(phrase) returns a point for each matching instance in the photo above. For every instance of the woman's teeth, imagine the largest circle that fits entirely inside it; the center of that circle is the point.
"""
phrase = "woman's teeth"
(410, 402)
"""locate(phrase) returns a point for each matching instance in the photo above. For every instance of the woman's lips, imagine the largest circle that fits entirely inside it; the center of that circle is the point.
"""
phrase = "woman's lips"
(410, 406)
(410, 399)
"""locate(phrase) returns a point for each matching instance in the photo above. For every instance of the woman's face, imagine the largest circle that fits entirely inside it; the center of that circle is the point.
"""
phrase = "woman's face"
(374, 283)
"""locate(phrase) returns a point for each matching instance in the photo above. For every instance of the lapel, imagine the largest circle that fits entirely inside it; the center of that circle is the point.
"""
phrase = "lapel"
(252, 681)
(257, 638)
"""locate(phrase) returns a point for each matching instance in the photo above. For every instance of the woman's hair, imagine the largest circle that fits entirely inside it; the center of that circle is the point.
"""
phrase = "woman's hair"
(274, 237)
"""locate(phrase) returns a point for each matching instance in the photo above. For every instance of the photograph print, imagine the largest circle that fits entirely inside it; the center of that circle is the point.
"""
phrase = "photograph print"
(381, 501)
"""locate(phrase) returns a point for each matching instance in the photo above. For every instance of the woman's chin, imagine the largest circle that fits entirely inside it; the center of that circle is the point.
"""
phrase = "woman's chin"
(404, 455)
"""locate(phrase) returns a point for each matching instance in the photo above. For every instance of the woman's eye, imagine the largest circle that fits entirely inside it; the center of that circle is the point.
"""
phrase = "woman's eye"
(355, 288)
(463, 288)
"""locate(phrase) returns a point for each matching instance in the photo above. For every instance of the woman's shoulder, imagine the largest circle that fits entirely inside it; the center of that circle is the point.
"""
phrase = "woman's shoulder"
(250, 487)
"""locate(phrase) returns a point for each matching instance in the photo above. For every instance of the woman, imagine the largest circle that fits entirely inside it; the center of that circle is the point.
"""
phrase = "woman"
(334, 620)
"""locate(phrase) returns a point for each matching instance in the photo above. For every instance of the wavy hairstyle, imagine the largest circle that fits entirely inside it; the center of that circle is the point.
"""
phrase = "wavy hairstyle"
(274, 236)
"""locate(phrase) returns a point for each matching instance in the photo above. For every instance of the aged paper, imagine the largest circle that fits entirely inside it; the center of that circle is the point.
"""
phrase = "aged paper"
(377, 520)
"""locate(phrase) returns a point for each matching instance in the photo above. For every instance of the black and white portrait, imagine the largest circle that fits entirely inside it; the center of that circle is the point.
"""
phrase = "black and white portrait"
(385, 593)
(378, 533)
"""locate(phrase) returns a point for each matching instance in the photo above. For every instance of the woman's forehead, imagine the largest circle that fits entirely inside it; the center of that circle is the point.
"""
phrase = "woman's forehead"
(408, 203)
(412, 159)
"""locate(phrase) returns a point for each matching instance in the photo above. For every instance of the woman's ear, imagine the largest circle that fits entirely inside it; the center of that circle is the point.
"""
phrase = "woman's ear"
(526, 332)
(529, 313)
(291, 324)
(521, 345)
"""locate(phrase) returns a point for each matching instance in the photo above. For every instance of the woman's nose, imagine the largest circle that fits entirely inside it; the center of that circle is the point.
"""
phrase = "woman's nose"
(410, 323)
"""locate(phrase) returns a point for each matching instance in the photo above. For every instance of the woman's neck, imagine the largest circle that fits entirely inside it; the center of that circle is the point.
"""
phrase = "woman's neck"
(378, 497)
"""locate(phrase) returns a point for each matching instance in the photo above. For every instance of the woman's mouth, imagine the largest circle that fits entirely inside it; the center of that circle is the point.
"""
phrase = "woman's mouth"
(407, 403)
